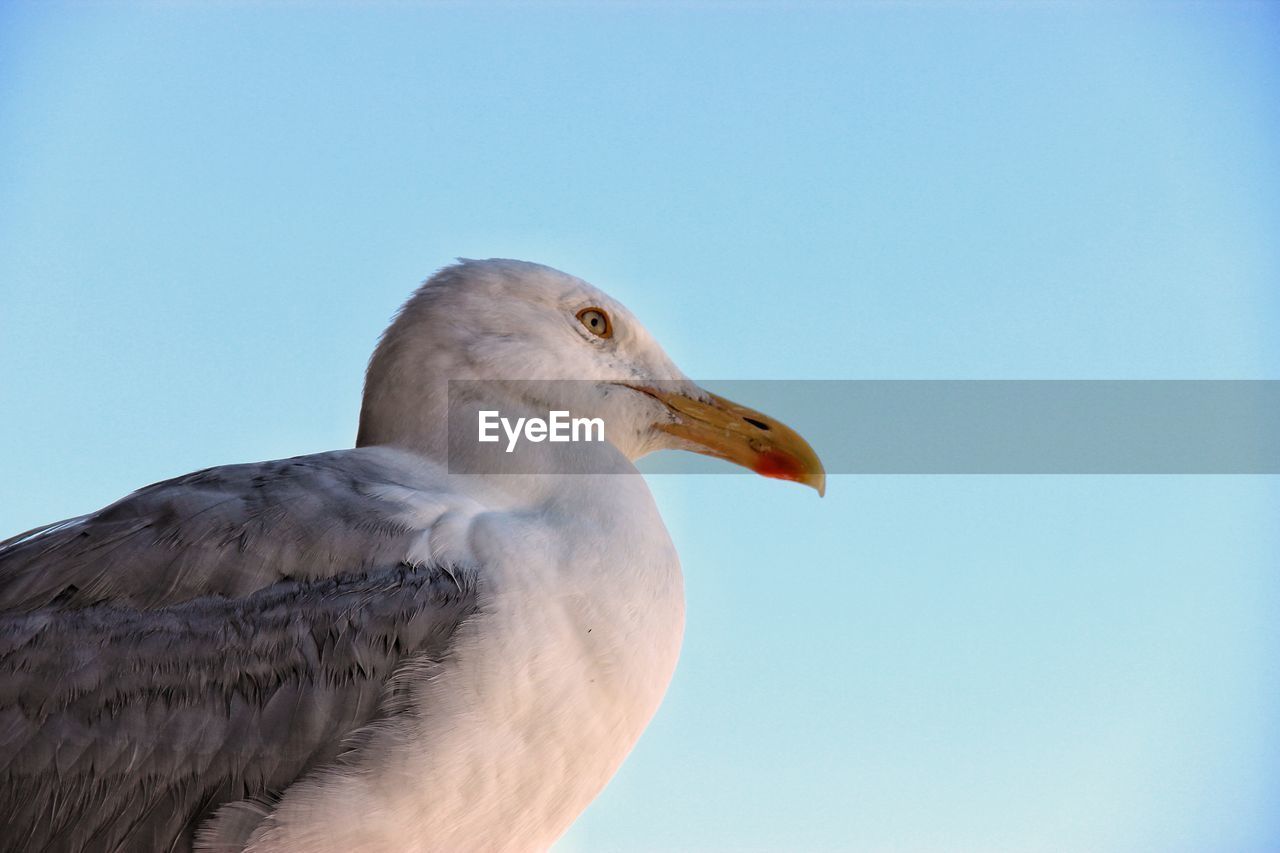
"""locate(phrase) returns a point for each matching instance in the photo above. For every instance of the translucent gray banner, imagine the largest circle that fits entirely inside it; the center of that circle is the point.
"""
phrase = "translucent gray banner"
(941, 426)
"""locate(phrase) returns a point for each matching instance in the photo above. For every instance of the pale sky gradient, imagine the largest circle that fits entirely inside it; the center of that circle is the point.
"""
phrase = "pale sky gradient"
(207, 215)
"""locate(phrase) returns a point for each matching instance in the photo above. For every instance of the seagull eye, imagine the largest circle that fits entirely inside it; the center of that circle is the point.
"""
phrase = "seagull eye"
(596, 321)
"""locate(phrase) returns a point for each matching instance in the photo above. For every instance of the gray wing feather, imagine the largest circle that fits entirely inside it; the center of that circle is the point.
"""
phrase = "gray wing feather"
(170, 656)
(225, 531)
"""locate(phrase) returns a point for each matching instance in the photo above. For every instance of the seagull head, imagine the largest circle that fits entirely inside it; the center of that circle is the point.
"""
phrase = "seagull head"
(540, 339)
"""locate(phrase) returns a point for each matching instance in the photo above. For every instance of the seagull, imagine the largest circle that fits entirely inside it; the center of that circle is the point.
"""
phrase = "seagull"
(401, 646)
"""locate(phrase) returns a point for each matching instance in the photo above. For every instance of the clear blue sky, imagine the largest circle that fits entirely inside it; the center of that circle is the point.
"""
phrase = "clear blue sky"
(208, 214)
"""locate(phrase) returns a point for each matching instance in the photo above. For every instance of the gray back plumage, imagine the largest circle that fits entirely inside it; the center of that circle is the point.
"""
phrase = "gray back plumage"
(203, 643)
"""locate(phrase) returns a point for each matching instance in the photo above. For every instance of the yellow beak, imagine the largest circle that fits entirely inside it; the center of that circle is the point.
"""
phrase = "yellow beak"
(726, 430)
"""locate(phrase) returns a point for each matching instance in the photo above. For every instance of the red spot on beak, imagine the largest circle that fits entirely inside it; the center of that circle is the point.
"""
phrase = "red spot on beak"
(779, 466)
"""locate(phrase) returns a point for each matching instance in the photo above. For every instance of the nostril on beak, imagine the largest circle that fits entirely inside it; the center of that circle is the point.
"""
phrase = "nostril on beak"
(757, 424)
